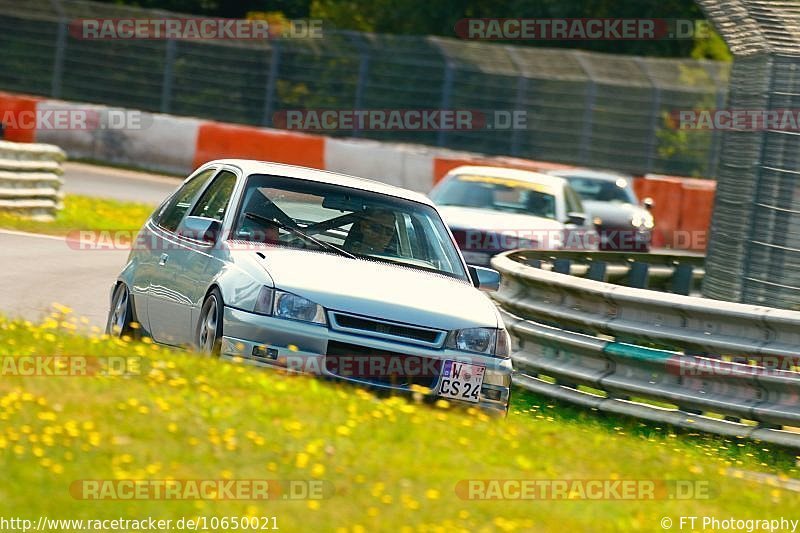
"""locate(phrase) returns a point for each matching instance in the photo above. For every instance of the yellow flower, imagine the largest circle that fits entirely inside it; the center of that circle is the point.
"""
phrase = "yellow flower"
(343, 430)
(313, 505)
(432, 494)
(301, 461)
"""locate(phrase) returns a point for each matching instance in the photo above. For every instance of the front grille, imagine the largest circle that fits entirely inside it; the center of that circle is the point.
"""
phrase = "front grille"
(381, 367)
(384, 329)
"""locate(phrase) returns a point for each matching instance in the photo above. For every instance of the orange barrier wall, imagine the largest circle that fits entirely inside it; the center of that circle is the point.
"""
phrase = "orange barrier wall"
(13, 126)
(682, 209)
(216, 140)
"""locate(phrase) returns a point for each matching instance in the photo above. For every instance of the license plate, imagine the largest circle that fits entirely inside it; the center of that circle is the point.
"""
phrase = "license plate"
(461, 381)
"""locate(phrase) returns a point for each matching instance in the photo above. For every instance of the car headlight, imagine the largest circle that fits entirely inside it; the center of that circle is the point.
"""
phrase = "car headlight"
(281, 304)
(642, 220)
(490, 341)
(293, 307)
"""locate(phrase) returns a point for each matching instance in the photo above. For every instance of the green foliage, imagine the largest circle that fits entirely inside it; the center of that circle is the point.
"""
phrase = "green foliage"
(439, 18)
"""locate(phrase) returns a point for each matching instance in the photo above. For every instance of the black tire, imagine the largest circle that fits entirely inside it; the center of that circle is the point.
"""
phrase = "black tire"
(121, 315)
(208, 334)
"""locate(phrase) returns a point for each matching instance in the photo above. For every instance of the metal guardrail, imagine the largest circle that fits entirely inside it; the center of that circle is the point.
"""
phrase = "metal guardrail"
(667, 272)
(30, 179)
(652, 355)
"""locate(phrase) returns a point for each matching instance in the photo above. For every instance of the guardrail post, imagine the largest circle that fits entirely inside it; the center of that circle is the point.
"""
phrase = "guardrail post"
(588, 110)
(447, 89)
(597, 271)
(562, 266)
(272, 80)
(166, 83)
(638, 275)
(58, 60)
(682, 279)
(363, 71)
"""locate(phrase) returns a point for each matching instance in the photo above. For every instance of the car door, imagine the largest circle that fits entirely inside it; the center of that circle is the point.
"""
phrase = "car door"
(164, 302)
(195, 262)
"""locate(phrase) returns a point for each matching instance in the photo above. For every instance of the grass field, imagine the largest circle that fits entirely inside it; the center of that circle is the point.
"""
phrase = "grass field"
(84, 213)
(388, 463)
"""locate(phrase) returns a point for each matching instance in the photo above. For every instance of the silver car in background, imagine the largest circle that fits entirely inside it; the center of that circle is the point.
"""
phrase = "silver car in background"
(317, 272)
(623, 224)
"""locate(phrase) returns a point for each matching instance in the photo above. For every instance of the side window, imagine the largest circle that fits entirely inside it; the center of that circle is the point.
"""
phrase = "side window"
(215, 199)
(172, 212)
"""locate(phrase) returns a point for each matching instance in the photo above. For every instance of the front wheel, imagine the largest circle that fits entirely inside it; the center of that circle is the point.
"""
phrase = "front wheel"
(120, 316)
(208, 338)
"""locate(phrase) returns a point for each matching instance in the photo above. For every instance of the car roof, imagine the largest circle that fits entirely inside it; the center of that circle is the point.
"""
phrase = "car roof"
(527, 176)
(608, 175)
(252, 166)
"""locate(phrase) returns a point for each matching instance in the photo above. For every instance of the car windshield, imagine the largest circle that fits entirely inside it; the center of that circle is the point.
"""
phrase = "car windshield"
(497, 194)
(310, 215)
(603, 190)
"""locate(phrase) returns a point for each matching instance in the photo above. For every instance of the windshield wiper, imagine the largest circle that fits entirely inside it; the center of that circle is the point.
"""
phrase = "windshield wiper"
(280, 225)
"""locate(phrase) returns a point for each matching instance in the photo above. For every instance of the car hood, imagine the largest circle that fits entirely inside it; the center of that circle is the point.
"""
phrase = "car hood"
(612, 213)
(547, 232)
(378, 289)
(487, 219)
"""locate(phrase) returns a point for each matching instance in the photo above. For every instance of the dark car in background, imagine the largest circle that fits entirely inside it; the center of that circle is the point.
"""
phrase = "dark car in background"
(622, 222)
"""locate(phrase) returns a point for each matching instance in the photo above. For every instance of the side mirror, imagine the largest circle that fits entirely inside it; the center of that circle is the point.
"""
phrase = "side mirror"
(648, 203)
(200, 229)
(484, 279)
(577, 219)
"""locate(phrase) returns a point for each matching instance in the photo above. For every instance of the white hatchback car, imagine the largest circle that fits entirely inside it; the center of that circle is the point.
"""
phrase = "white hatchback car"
(492, 209)
(312, 271)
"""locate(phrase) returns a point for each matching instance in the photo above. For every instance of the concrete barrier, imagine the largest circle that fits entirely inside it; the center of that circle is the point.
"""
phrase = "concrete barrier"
(30, 179)
(151, 141)
(404, 165)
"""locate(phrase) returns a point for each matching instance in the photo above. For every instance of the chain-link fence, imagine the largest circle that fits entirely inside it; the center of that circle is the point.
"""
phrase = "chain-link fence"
(754, 250)
(584, 108)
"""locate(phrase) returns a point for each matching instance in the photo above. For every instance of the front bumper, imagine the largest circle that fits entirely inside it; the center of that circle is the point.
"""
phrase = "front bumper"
(624, 238)
(302, 347)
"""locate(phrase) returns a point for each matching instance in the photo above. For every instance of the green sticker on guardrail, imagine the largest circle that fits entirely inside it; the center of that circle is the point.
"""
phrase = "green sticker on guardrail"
(638, 352)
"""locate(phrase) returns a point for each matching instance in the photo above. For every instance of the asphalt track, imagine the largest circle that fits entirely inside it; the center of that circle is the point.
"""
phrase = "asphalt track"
(39, 270)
